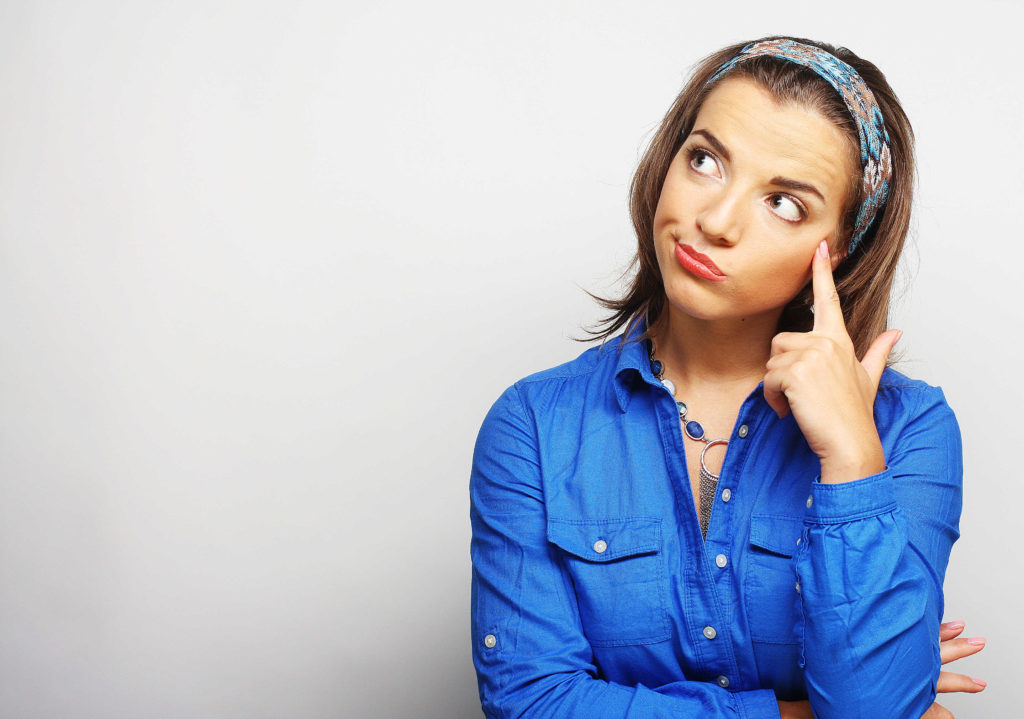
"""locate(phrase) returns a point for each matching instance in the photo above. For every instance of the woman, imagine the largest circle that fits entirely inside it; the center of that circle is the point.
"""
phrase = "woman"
(724, 512)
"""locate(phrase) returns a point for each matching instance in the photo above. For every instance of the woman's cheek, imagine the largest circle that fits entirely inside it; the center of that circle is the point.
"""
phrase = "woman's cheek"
(782, 280)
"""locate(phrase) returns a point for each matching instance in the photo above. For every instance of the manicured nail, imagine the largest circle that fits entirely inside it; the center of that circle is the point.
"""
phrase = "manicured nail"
(898, 338)
(951, 625)
(979, 682)
(976, 641)
(823, 249)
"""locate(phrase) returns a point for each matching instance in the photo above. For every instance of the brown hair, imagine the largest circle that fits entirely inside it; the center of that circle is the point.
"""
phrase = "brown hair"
(863, 279)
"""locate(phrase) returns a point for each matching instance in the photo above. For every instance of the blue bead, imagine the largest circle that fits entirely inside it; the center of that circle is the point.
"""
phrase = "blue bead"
(656, 367)
(694, 429)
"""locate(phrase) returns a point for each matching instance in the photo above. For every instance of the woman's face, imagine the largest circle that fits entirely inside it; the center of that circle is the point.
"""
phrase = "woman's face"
(755, 187)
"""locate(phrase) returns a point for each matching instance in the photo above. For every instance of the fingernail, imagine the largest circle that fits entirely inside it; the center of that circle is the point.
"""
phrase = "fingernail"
(823, 249)
(898, 338)
(976, 641)
(951, 625)
(979, 682)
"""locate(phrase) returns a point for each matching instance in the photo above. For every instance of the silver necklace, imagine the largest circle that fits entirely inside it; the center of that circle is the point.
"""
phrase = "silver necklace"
(695, 431)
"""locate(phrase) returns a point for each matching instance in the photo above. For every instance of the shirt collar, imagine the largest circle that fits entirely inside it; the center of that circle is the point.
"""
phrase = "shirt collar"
(632, 363)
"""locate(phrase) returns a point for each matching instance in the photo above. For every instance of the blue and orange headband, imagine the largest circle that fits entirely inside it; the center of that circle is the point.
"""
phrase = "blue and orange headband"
(874, 140)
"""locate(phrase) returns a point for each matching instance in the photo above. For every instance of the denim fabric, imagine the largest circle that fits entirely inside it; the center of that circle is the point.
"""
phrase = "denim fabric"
(594, 595)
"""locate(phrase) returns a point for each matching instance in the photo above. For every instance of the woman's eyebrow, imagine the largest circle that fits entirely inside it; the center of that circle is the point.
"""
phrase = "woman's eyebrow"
(715, 143)
(788, 183)
(797, 186)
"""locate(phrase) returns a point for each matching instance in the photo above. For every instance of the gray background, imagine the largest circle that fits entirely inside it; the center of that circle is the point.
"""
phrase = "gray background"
(265, 266)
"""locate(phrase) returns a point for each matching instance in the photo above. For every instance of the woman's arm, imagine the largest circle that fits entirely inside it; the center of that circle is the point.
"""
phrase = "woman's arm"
(951, 649)
(870, 570)
(531, 656)
(879, 524)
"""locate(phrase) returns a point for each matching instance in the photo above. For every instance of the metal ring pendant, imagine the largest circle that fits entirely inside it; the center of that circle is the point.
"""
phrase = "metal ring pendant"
(709, 444)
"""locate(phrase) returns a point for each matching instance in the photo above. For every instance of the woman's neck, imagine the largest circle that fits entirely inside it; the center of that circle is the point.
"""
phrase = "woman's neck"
(727, 354)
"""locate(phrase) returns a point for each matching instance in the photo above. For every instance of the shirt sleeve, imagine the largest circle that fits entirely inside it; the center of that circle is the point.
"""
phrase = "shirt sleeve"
(531, 657)
(870, 568)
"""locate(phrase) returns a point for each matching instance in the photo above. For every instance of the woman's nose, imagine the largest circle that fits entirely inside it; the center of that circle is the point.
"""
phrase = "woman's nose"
(721, 217)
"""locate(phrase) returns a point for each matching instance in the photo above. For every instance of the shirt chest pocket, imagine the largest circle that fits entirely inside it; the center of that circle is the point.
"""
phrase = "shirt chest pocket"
(770, 583)
(618, 570)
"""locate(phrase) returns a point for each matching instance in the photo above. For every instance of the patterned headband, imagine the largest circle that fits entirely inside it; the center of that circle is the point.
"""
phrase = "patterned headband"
(874, 140)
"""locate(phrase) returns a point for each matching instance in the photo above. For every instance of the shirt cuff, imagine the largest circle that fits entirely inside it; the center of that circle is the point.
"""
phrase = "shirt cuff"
(757, 704)
(847, 501)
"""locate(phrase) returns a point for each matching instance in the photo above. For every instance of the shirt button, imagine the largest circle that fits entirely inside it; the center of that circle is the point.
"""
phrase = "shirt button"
(810, 501)
(721, 560)
(743, 431)
(726, 494)
(798, 587)
(798, 540)
(600, 545)
(710, 632)
(723, 681)
(490, 641)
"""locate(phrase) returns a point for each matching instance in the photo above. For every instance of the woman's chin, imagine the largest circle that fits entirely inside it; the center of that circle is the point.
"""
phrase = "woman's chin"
(710, 309)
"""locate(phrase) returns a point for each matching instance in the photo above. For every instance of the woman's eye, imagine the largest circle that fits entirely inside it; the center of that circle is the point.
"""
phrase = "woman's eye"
(703, 163)
(785, 208)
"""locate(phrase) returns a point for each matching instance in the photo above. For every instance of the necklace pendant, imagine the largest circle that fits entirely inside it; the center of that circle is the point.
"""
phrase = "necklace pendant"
(694, 430)
(682, 409)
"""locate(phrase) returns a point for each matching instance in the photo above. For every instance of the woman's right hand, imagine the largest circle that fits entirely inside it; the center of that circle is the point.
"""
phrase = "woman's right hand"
(950, 649)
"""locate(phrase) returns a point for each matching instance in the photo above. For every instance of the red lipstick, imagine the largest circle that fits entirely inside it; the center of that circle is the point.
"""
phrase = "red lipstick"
(698, 263)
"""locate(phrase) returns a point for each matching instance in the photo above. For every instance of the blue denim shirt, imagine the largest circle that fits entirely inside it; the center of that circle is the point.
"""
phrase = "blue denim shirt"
(594, 594)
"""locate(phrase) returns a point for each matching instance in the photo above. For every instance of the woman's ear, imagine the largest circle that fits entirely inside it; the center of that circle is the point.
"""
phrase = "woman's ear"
(838, 258)
(842, 245)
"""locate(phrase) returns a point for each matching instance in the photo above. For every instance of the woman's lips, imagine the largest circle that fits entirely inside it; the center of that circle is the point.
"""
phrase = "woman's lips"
(697, 263)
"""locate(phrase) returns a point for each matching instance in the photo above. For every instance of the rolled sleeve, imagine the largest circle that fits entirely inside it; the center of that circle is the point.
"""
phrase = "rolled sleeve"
(849, 501)
(758, 704)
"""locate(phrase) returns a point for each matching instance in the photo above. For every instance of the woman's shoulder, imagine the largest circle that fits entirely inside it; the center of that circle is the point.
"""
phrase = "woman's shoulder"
(902, 401)
(895, 385)
(586, 363)
(589, 374)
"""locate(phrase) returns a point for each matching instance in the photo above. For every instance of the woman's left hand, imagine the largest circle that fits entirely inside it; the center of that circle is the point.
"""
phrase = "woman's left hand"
(831, 393)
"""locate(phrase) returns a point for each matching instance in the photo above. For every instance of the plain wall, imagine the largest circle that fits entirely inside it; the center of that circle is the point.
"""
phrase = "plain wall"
(265, 266)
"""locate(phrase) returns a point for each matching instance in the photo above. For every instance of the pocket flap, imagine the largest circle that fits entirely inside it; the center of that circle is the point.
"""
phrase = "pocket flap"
(775, 533)
(606, 539)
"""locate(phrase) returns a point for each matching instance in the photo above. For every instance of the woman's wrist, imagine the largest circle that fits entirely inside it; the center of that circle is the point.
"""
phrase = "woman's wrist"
(795, 710)
(861, 463)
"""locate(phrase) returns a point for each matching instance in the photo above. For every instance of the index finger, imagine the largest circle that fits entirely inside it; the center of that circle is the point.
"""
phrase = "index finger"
(828, 314)
(950, 630)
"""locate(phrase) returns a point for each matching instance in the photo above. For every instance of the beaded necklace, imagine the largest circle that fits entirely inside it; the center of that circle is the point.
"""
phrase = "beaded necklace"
(695, 431)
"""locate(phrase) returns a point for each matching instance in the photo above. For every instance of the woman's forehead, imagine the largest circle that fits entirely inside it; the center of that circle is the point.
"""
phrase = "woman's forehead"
(765, 136)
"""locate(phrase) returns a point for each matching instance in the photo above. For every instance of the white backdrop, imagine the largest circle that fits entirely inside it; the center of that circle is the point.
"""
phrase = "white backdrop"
(265, 266)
